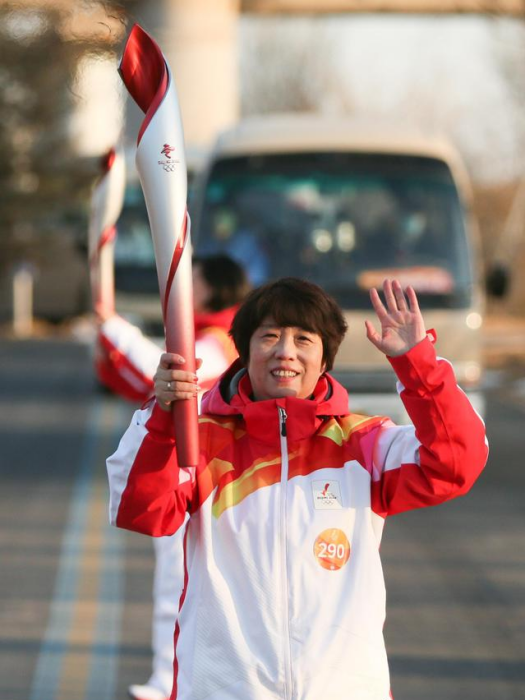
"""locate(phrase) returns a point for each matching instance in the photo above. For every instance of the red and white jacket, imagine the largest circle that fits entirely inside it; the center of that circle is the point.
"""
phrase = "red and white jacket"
(126, 360)
(284, 594)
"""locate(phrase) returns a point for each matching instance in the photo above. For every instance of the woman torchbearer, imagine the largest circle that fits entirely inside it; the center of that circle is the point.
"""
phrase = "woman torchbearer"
(283, 515)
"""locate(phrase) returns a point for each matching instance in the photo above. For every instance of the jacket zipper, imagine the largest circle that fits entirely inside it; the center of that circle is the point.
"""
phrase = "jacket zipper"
(284, 558)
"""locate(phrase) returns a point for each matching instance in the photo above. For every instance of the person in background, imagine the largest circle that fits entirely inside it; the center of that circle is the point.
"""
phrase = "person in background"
(283, 515)
(126, 360)
(231, 237)
(125, 363)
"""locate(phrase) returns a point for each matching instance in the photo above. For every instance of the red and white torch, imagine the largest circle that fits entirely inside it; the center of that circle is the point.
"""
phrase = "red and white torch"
(106, 204)
(161, 164)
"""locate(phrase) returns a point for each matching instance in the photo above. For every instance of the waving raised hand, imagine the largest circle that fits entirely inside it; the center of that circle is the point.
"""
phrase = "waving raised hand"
(402, 324)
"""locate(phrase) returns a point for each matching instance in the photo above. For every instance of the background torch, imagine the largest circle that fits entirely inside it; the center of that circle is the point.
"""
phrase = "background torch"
(106, 204)
(161, 165)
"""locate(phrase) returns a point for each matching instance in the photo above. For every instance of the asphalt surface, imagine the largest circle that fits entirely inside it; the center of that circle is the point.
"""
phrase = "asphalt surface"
(75, 594)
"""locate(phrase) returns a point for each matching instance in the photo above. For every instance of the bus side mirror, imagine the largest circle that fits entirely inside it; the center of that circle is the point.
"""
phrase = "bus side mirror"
(497, 282)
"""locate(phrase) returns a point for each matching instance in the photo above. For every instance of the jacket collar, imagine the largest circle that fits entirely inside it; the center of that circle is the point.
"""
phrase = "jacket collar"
(215, 319)
(231, 395)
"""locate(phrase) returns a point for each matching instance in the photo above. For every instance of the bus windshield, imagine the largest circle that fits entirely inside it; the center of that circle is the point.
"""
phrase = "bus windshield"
(343, 220)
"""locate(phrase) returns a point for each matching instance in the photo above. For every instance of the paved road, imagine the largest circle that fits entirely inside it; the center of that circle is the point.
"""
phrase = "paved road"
(75, 594)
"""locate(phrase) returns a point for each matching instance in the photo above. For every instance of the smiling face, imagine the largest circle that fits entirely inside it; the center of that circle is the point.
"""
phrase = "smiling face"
(284, 361)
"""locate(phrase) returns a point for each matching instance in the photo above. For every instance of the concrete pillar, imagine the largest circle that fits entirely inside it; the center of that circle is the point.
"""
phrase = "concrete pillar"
(199, 39)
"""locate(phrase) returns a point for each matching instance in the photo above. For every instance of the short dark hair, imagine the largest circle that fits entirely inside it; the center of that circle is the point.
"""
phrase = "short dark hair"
(226, 278)
(290, 302)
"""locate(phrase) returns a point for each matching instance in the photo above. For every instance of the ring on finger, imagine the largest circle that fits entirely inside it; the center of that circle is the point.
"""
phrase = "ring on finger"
(169, 386)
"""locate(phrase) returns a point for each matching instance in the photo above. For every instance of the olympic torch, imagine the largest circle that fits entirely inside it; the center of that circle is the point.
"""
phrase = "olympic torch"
(161, 165)
(106, 204)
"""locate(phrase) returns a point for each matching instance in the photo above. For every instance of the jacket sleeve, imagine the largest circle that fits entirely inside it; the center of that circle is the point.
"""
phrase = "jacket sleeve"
(149, 493)
(214, 360)
(438, 457)
(125, 360)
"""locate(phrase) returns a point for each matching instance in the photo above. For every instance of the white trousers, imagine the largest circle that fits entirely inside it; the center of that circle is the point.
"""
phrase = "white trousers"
(167, 588)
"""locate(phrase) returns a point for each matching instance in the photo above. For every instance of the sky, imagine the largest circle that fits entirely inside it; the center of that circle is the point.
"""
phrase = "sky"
(441, 72)
(451, 64)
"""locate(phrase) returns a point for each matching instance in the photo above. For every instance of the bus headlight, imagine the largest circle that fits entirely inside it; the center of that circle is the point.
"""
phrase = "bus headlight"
(471, 372)
(474, 321)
